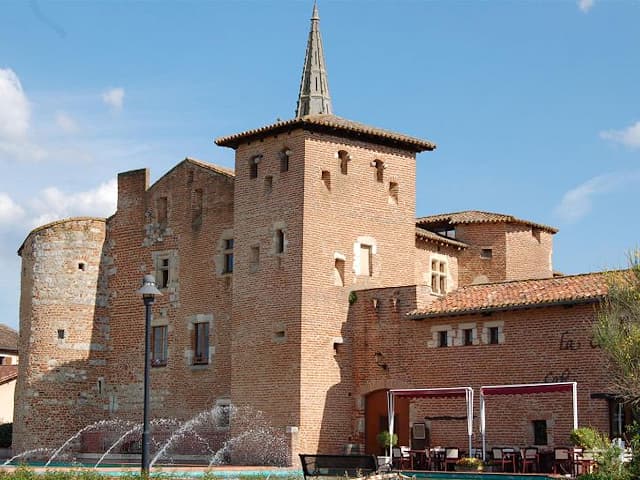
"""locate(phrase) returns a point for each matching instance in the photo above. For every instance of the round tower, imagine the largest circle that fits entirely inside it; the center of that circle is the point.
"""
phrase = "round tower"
(63, 332)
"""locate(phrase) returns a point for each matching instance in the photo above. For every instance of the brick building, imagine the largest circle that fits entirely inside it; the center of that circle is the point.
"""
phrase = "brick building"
(302, 285)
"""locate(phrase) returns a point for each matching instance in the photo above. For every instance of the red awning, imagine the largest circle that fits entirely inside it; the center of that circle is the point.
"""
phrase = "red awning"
(525, 389)
(430, 392)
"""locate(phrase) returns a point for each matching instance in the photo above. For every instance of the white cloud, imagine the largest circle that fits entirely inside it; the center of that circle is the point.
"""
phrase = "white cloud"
(10, 212)
(577, 202)
(53, 204)
(15, 110)
(66, 123)
(629, 136)
(114, 98)
(585, 5)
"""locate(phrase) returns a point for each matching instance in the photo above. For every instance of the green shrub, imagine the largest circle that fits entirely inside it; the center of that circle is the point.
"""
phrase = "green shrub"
(6, 433)
(588, 438)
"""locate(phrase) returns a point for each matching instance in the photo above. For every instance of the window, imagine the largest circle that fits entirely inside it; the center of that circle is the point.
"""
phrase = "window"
(443, 338)
(162, 272)
(284, 160)
(196, 206)
(338, 272)
(486, 253)
(201, 344)
(82, 266)
(254, 258)
(161, 210)
(223, 415)
(228, 256)
(60, 334)
(344, 157)
(539, 432)
(326, 178)
(393, 193)
(449, 232)
(268, 184)
(468, 336)
(159, 346)
(439, 276)
(494, 335)
(379, 166)
(253, 166)
(279, 241)
(366, 261)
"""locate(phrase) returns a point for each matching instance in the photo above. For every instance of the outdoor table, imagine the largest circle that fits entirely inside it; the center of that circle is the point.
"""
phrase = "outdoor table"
(418, 459)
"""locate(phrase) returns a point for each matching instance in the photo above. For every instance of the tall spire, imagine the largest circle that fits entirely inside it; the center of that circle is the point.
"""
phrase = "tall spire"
(314, 87)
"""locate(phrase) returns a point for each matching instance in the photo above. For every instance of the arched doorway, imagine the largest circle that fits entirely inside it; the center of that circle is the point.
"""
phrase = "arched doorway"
(377, 420)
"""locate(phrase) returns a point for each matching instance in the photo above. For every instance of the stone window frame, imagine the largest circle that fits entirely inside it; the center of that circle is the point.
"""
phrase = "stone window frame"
(203, 358)
(486, 326)
(486, 253)
(439, 275)
(459, 339)
(190, 353)
(161, 360)
(224, 402)
(357, 252)
(434, 342)
(222, 252)
(172, 268)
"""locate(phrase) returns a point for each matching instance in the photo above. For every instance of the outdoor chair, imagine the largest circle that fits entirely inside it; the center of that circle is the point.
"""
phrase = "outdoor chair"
(451, 457)
(401, 459)
(562, 461)
(531, 458)
(503, 458)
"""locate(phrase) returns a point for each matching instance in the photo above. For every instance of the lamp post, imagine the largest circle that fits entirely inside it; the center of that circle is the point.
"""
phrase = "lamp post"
(148, 292)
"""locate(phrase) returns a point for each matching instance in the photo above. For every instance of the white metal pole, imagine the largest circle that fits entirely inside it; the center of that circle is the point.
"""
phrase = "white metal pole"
(575, 404)
(482, 426)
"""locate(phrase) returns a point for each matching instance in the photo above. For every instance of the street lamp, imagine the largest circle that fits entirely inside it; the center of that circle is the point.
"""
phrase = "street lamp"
(148, 292)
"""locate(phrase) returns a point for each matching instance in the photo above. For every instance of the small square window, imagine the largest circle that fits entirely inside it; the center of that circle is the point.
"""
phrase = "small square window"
(486, 253)
(82, 266)
(60, 334)
(443, 337)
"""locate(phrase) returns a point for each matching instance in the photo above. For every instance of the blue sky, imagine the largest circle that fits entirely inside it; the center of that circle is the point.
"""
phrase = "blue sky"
(534, 106)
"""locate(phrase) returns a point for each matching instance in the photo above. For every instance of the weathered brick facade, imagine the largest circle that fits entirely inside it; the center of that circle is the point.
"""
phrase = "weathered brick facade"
(301, 285)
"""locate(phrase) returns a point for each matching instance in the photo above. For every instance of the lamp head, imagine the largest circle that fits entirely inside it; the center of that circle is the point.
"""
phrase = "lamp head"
(149, 289)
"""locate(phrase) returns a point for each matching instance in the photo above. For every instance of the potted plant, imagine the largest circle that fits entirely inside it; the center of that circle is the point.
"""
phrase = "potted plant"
(469, 464)
(386, 441)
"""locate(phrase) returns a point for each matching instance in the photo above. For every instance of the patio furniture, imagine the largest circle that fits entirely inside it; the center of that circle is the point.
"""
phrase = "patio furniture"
(451, 457)
(338, 465)
(504, 457)
(436, 457)
(584, 461)
(531, 458)
(401, 459)
(419, 459)
(562, 461)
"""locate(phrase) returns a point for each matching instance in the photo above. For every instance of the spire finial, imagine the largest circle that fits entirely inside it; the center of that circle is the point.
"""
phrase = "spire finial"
(314, 87)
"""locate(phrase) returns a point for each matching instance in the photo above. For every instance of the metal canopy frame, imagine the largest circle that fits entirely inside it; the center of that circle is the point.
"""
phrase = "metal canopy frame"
(466, 392)
(525, 389)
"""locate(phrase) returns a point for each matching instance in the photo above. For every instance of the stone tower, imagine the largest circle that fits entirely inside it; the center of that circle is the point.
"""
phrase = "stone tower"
(323, 206)
(63, 332)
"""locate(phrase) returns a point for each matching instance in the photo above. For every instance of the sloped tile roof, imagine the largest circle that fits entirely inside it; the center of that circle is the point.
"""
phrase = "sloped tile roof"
(331, 124)
(8, 373)
(434, 237)
(8, 338)
(477, 216)
(588, 287)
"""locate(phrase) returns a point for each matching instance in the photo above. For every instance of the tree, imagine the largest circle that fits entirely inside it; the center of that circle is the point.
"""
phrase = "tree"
(617, 330)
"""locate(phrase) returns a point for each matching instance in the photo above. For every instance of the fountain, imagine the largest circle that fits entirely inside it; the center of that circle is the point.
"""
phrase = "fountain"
(224, 435)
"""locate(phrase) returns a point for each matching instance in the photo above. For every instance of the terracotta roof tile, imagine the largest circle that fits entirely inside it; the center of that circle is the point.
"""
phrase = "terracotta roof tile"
(476, 216)
(434, 237)
(331, 124)
(8, 373)
(8, 338)
(583, 288)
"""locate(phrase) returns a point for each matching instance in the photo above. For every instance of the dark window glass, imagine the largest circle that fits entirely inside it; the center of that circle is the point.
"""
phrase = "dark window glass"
(540, 432)
(201, 343)
(228, 256)
(159, 346)
(163, 273)
(468, 336)
(61, 334)
(442, 338)
(494, 335)
(279, 241)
